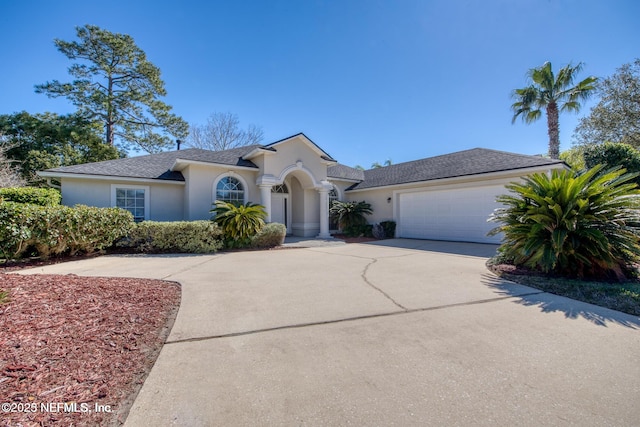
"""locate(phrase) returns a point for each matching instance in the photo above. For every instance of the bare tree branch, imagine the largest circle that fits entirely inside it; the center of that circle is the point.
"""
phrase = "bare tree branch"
(222, 132)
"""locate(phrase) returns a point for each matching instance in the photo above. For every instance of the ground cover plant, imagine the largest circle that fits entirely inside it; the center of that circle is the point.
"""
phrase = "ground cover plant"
(624, 297)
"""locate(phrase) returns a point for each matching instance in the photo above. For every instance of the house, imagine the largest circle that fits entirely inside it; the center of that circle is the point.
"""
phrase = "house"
(446, 197)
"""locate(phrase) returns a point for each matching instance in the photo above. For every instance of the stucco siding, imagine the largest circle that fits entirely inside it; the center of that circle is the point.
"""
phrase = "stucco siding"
(382, 209)
(288, 154)
(86, 192)
(165, 200)
(200, 191)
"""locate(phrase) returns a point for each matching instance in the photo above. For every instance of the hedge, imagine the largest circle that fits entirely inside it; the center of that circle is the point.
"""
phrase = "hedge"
(31, 195)
(269, 236)
(55, 230)
(178, 236)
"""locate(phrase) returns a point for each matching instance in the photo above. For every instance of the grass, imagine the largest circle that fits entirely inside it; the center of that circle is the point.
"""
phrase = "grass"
(624, 297)
(4, 297)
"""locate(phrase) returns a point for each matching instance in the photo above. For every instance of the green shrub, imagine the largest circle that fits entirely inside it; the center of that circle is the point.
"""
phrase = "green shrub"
(271, 235)
(612, 155)
(238, 222)
(358, 230)
(178, 236)
(350, 213)
(31, 195)
(389, 228)
(572, 224)
(55, 230)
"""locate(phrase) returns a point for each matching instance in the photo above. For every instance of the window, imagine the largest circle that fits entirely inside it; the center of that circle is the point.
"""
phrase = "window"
(133, 199)
(282, 189)
(230, 190)
(333, 221)
(333, 195)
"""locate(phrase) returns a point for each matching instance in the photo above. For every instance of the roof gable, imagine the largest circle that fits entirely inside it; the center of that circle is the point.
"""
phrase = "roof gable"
(301, 136)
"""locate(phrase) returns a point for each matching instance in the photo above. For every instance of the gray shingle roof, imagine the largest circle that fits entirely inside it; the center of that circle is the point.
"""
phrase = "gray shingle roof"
(462, 163)
(345, 172)
(157, 166)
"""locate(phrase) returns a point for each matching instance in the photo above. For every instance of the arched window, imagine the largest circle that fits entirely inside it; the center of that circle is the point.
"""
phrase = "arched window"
(333, 195)
(282, 189)
(230, 190)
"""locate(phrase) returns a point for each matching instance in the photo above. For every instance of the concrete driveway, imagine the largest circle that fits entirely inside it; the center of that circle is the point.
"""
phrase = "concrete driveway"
(398, 332)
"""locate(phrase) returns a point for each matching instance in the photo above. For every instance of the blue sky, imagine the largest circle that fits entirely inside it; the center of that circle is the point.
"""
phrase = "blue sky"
(366, 80)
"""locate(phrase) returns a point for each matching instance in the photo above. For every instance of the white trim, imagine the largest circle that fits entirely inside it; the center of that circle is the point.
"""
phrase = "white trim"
(298, 166)
(481, 177)
(287, 200)
(234, 175)
(256, 152)
(319, 151)
(338, 191)
(335, 178)
(66, 175)
(183, 162)
(147, 196)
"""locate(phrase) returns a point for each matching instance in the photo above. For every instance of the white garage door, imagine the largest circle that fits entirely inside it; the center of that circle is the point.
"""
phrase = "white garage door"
(458, 215)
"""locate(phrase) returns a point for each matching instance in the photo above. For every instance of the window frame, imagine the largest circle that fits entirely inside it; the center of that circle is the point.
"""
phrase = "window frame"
(145, 188)
(245, 187)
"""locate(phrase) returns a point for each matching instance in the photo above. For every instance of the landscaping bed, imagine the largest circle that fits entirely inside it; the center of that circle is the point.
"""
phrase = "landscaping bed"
(79, 341)
(624, 296)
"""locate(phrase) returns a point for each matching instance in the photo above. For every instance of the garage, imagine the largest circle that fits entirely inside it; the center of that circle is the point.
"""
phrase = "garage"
(451, 214)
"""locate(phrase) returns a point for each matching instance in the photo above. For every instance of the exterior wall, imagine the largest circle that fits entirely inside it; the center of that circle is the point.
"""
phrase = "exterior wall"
(297, 207)
(378, 198)
(165, 200)
(86, 192)
(199, 189)
(342, 186)
(291, 152)
(311, 213)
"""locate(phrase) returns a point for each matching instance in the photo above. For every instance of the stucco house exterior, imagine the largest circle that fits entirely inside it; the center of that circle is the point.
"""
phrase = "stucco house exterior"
(446, 197)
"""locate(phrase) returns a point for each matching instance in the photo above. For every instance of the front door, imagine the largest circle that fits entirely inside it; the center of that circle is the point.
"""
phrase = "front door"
(280, 210)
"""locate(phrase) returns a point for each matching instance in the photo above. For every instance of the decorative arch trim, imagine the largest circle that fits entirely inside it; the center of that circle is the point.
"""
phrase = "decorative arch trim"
(234, 175)
(298, 166)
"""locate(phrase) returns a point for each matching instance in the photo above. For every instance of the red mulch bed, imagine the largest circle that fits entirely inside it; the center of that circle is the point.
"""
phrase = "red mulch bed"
(82, 340)
(354, 239)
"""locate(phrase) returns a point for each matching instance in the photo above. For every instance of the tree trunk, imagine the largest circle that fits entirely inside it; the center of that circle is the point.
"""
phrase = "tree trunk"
(554, 130)
(109, 124)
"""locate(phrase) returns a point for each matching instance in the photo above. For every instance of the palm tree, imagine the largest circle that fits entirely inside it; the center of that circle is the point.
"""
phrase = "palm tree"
(554, 94)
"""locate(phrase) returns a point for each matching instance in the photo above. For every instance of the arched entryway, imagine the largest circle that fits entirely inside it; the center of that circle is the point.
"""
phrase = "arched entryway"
(304, 207)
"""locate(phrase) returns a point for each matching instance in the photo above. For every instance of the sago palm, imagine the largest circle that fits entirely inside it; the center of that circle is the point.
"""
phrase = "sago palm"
(554, 94)
(570, 223)
(350, 213)
(239, 222)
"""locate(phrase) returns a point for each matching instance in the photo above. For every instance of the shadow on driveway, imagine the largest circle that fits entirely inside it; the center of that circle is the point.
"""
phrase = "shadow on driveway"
(550, 303)
(483, 250)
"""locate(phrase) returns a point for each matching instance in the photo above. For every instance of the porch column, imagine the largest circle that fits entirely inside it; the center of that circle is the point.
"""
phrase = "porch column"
(265, 198)
(324, 213)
